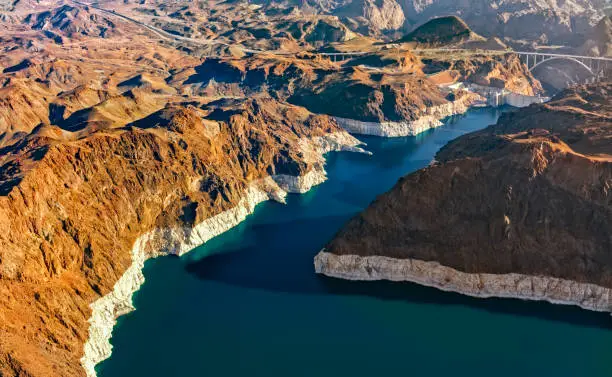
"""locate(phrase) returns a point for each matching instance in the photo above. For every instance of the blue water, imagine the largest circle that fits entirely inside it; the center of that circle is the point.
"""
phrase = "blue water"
(249, 304)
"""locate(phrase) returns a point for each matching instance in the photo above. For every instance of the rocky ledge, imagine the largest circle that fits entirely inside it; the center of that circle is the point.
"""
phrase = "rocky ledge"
(522, 209)
(433, 274)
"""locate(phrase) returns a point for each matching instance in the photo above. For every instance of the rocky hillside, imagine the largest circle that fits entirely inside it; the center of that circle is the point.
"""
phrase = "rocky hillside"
(72, 21)
(538, 21)
(533, 20)
(324, 87)
(120, 134)
(443, 31)
(108, 151)
(73, 209)
(521, 209)
(504, 71)
(385, 15)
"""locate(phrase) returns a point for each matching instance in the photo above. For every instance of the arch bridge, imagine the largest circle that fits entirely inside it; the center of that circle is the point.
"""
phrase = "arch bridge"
(596, 66)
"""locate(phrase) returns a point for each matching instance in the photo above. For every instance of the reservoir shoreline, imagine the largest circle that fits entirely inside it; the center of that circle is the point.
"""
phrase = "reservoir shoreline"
(223, 308)
(434, 116)
(482, 285)
(162, 242)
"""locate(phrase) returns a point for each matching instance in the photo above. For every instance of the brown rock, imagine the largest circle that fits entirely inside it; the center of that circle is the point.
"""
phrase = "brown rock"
(70, 210)
(528, 196)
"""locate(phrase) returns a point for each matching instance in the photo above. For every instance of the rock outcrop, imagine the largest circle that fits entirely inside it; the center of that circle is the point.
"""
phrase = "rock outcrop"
(521, 209)
(503, 72)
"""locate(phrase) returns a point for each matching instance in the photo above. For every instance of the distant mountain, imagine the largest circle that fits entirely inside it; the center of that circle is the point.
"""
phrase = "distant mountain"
(442, 31)
(383, 15)
(544, 21)
(556, 22)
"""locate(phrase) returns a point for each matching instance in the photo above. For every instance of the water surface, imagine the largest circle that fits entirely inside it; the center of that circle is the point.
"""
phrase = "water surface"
(248, 303)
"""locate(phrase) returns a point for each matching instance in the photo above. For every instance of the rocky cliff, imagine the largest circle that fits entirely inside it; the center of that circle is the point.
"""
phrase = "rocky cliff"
(74, 209)
(401, 94)
(521, 209)
(382, 93)
(385, 15)
(425, 118)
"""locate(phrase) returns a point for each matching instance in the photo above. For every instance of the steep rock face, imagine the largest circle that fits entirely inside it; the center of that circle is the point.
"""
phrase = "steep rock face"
(425, 119)
(327, 30)
(505, 72)
(384, 15)
(521, 209)
(557, 75)
(72, 209)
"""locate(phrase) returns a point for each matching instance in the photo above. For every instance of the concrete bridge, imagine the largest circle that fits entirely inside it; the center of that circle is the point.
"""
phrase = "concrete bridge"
(340, 56)
(596, 66)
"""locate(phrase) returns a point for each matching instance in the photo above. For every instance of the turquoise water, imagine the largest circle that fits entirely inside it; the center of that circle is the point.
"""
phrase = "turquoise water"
(249, 304)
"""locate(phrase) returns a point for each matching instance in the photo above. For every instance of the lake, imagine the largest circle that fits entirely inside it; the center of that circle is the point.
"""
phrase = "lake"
(248, 303)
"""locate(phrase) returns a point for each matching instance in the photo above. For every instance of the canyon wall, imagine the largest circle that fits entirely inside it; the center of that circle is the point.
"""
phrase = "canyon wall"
(82, 215)
(520, 209)
(431, 118)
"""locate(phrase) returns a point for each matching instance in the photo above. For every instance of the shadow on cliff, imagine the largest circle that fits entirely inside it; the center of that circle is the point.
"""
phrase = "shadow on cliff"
(274, 261)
